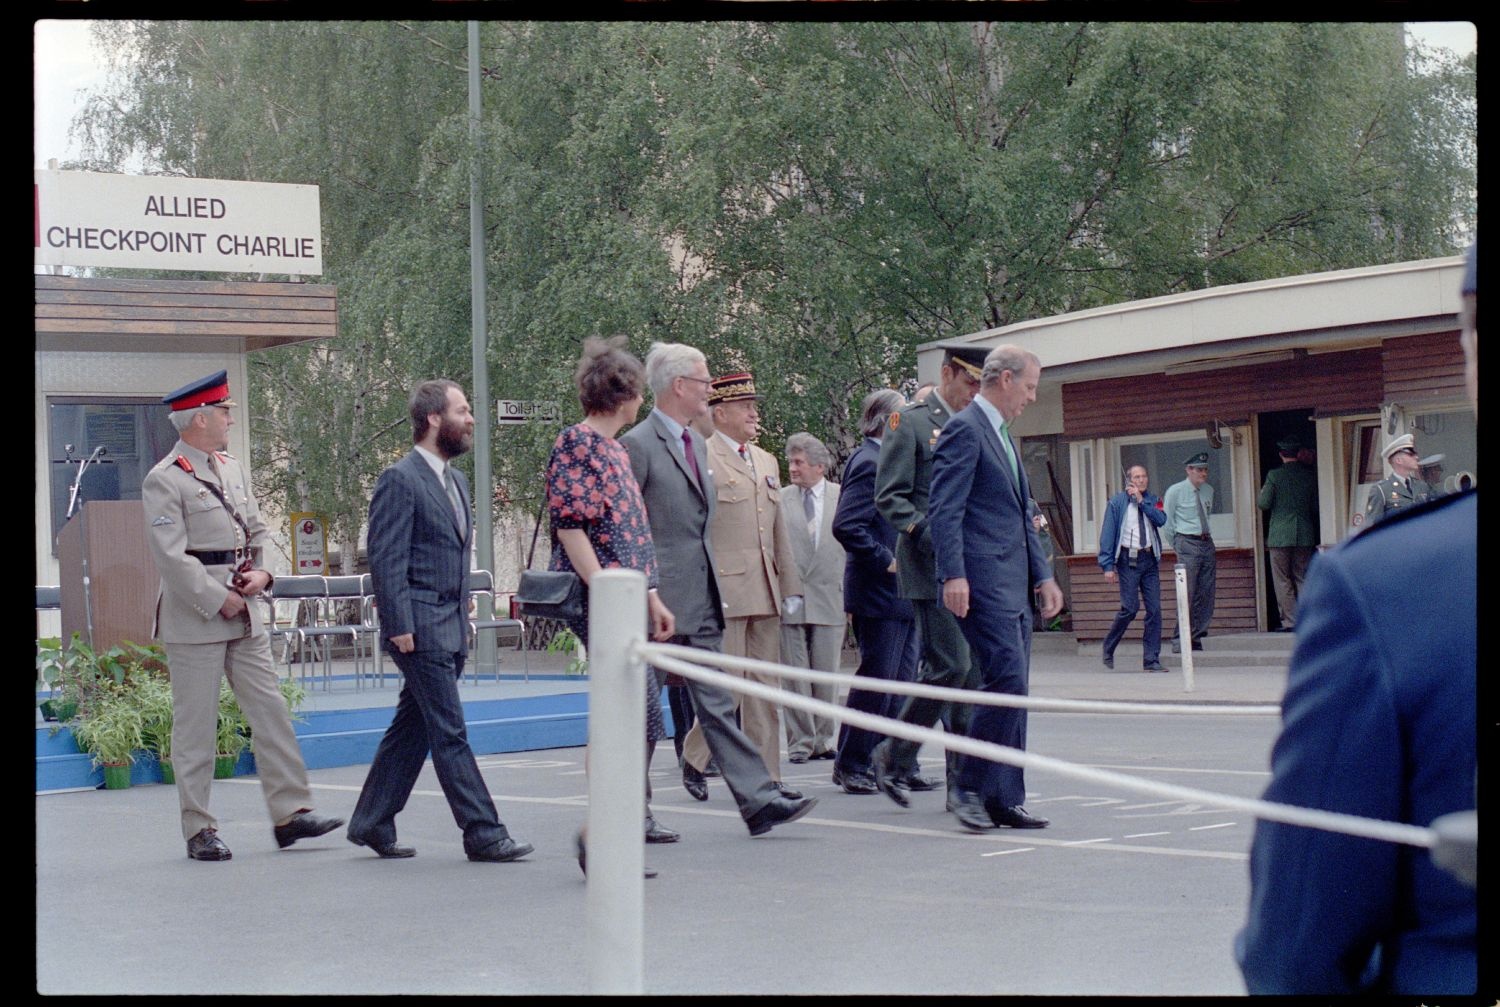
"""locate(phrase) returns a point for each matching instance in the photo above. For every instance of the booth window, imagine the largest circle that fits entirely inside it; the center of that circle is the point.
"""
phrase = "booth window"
(134, 432)
(1164, 455)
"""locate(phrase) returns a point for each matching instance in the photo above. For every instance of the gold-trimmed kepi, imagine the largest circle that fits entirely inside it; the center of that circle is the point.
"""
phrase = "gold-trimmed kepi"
(969, 359)
(732, 388)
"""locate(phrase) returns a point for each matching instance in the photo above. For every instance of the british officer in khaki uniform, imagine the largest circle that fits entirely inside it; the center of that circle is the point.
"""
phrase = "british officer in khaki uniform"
(206, 536)
(753, 552)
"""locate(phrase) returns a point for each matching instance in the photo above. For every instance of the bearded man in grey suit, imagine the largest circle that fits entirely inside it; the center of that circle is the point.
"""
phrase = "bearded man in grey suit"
(670, 463)
(419, 535)
(813, 636)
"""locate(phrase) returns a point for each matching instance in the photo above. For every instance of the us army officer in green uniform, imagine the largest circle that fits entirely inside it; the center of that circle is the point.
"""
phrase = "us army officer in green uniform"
(206, 536)
(1403, 487)
(1291, 495)
(901, 486)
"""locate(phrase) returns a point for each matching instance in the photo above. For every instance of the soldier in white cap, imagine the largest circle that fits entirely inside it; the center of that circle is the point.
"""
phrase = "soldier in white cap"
(1403, 487)
(207, 538)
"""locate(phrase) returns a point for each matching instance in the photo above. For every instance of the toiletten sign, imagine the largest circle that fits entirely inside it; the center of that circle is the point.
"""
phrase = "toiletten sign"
(85, 218)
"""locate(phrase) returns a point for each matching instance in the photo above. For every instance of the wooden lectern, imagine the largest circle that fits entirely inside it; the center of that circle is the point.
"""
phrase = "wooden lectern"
(109, 580)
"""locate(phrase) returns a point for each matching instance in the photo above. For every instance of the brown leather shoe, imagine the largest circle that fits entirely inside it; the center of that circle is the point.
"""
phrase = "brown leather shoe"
(306, 825)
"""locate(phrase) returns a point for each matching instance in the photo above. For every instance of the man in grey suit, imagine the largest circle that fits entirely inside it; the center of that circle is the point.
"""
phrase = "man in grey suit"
(419, 535)
(813, 636)
(670, 462)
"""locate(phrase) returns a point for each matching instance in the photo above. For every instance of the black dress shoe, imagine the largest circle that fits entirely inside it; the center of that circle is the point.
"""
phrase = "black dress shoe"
(787, 792)
(1016, 818)
(886, 779)
(501, 851)
(386, 851)
(969, 810)
(951, 804)
(838, 775)
(797, 758)
(859, 784)
(712, 769)
(779, 811)
(659, 833)
(583, 858)
(1154, 666)
(206, 845)
(694, 783)
(306, 825)
(1109, 660)
(1197, 644)
(918, 782)
(829, 754)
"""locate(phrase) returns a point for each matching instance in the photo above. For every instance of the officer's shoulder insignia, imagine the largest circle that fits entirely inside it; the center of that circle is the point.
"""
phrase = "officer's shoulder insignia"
(895, 420)
(772, 482)
(181, 462)
(160, 520)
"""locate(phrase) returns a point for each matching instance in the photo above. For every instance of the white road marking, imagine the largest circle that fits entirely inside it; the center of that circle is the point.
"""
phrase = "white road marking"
(1143, 835)
(1001, 853)
(1221, 825)
(1084, 842)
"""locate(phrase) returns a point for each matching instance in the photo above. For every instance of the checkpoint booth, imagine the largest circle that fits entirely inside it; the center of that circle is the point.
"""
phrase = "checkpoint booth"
(1342, 361)
(108, 349)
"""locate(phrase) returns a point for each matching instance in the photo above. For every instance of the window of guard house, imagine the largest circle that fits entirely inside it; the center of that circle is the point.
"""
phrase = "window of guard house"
(1164, 455)
(135, 434)
(1452, 435)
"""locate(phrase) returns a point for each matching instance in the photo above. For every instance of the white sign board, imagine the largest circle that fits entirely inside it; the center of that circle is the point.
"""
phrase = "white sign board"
(309, 544)
(86, 218)
(508, 411)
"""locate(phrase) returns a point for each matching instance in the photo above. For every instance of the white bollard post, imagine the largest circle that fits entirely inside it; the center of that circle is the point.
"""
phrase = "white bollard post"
(617, 783)
(1184, 630)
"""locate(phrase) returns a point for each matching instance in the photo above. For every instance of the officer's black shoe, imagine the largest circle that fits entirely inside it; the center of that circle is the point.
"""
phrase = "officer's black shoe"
(306, 825)
(971, 813)
(385, 851)
(693, 782)
(778, 812)
(859, 784)
(1016, 818)
(206, 845)
(501, 851)
(886, 778)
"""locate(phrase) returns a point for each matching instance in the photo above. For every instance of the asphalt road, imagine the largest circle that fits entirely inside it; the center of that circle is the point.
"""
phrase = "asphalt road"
(1123, 895)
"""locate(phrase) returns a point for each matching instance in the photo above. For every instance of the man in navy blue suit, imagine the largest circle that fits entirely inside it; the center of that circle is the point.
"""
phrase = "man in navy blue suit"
(989, 563)
(884, 622)
(1130, 555)
(419, 534)
(1379, 720)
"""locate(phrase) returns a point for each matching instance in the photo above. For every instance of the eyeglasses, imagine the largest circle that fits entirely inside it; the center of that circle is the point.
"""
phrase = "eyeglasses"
(689, 377)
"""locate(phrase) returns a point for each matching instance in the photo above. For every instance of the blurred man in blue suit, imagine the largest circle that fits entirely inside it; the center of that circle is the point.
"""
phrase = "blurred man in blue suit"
(1379, 720)
(989, 562)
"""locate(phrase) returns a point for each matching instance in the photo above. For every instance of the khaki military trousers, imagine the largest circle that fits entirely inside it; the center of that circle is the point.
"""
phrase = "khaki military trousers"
(757, 636)
(196, 670)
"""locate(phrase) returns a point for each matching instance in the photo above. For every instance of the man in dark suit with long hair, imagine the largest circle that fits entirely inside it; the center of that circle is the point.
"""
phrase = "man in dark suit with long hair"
(419, 535)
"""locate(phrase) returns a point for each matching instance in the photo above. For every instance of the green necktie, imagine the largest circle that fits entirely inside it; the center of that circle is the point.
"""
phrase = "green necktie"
(1010, 454)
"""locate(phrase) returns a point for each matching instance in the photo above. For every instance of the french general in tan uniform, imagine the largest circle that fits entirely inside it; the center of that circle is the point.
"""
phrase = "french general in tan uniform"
(206, 537)
(753, 551)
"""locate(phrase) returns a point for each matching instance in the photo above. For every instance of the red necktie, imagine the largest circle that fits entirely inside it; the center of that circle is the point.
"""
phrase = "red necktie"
(692, 461)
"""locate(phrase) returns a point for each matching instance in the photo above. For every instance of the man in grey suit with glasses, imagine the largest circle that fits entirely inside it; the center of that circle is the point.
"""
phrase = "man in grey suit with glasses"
(670, 462)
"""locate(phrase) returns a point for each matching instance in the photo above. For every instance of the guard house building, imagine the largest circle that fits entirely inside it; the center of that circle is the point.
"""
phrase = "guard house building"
(1344, 361)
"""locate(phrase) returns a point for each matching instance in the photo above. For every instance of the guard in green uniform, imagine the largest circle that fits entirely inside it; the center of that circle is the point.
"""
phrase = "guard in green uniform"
(901, 487)
(1291, 495)
(207, 538)
(1403, 487)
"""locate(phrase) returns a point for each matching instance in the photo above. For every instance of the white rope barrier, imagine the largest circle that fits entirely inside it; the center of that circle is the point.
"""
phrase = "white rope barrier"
(701, 668)
(956, 695)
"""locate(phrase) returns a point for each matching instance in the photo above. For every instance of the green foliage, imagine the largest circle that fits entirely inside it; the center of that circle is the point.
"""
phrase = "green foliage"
(80, 675)
(152, 693)
(809, 200)
(233, 731)
(565, 641)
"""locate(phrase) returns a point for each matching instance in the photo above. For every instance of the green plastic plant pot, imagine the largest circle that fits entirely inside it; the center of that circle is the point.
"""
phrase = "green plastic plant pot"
(224, 766)
(117, 777)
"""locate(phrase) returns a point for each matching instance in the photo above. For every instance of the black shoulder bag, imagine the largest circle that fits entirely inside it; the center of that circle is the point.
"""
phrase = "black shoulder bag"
(549, 594)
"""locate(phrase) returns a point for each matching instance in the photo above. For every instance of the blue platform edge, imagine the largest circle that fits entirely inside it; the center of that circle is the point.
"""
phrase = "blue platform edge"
(331, 738)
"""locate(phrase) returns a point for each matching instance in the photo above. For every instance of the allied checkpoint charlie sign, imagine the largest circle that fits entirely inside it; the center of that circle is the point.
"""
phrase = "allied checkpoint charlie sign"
(86, 218)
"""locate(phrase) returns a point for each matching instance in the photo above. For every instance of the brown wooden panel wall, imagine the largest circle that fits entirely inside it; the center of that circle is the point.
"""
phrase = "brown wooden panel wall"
(262, 314)
(1094, 601)
(1423, 368)
(1154, 403)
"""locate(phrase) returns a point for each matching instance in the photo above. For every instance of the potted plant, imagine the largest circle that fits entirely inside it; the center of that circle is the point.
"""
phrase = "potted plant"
(232, 735)
(153, 695)
(111, 733)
